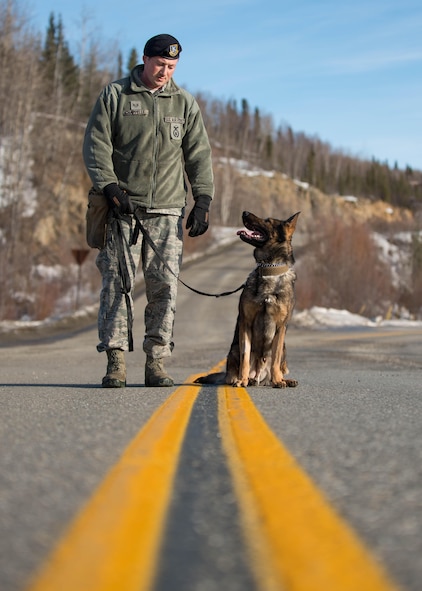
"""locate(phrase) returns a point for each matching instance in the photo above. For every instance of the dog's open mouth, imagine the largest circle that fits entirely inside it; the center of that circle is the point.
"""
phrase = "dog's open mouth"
(254, 232)
(252, 235)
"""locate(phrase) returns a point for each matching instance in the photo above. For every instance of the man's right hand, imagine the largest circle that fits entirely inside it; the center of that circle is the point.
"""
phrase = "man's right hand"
(118, 199)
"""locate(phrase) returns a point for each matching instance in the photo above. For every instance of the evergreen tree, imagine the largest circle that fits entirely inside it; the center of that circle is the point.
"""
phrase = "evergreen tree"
(120, 65)
(58, 64)
(269, 151)
(133, 60)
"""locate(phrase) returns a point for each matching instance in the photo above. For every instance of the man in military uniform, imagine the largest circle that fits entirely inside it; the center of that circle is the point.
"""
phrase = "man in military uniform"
(144, 132)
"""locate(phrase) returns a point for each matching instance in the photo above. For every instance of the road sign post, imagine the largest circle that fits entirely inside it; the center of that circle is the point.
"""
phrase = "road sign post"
(79, 255)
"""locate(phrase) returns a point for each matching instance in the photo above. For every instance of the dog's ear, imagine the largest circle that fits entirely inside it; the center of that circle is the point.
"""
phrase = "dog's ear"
(290, 224)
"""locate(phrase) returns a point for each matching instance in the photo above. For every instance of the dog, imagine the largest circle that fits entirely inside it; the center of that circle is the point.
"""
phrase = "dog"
(257, 355)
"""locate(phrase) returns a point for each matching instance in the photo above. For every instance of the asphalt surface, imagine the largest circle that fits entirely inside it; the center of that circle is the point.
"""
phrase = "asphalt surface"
(353, 424)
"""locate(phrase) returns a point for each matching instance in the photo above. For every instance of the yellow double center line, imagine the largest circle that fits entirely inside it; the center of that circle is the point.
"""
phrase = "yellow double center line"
(296, 540)
(114, 543)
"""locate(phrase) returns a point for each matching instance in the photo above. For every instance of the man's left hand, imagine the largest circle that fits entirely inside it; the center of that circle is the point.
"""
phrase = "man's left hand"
(198, 218)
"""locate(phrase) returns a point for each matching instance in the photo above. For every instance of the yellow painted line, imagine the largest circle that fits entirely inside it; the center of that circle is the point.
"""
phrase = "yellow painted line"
(297, 541)
(113, 543)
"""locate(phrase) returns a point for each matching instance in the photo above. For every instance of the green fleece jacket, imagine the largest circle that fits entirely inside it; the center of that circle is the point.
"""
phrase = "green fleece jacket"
(145, 141)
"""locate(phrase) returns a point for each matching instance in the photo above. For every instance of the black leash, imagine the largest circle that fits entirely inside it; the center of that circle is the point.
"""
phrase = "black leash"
(148, 238)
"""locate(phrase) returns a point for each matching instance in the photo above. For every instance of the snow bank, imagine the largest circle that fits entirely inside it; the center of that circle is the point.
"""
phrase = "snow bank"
(318, 317)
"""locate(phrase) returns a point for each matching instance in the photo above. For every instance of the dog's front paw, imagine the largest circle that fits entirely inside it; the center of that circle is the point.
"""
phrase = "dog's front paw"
(280, 384)
(239, 383)
(285, 383)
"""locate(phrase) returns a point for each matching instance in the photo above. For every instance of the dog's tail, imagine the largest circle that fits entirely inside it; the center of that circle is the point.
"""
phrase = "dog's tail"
(217, 378)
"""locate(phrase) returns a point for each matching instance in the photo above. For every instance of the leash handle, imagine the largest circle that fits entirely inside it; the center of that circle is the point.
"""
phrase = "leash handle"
(148, 238)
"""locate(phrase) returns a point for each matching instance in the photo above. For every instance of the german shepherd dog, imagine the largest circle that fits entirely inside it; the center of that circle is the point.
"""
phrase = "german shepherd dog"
(257, 355)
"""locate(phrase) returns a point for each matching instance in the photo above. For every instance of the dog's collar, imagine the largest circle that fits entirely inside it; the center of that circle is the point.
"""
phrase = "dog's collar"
(272, 269)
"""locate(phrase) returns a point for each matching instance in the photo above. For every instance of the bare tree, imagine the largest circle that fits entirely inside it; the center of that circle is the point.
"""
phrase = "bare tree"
(19, 66)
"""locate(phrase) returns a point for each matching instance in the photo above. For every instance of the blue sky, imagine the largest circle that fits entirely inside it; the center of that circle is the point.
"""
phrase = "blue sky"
(348, 73)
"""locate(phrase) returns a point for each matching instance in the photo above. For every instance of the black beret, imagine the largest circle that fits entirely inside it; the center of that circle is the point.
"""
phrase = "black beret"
(163, 45)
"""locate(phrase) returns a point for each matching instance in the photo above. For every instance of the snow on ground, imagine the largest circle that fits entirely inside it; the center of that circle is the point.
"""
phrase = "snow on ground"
(73, 320)
(398, 259)
(245, 167)
(317, 318)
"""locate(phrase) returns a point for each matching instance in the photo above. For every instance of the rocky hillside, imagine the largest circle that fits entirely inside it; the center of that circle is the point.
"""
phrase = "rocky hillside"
(56, 285)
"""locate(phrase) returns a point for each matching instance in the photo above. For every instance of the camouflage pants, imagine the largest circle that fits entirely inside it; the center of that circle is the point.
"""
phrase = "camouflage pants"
(161, 286)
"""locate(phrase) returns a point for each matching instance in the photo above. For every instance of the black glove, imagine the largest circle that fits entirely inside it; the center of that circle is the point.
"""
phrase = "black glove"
(118, 199)
(198, 219)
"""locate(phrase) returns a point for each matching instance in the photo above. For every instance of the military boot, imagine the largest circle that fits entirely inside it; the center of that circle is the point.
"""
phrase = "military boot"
(116, 369)
(155, 374)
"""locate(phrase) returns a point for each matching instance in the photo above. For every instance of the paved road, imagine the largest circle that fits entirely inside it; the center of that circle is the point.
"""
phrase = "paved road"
(353, 426)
